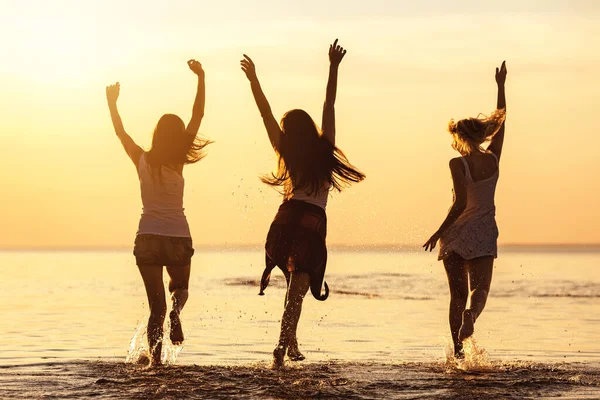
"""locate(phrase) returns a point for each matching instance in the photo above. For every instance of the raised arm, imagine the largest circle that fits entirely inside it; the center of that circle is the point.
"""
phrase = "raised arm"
(336, 54)
(131, 148)
(198, 110)
(458, 206)
(498, 139)
(261, 101)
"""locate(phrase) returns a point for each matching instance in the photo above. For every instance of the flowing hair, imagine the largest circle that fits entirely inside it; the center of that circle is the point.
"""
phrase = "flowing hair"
(469, 134)
(172, 145)
(307, 160)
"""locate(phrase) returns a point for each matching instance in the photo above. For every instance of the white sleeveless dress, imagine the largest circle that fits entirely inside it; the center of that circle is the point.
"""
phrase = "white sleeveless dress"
(162, 200)
(475, 233)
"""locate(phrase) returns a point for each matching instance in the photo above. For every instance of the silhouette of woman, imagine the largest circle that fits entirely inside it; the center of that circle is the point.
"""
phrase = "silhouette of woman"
(469, 233)
(310, 165)
(163, 237)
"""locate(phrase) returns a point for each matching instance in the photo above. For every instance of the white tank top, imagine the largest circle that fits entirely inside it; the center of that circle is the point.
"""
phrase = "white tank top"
(318, 199)
(162, 200)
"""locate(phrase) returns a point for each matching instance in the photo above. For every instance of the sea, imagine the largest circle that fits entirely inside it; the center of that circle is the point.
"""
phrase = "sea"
(73, 326)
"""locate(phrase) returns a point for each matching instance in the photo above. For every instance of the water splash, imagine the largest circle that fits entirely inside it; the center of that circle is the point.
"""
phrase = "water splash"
(138, 346)
(476, 358)
(138, 352)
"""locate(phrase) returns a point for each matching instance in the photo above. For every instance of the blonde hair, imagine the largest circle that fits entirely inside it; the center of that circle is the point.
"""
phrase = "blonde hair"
(469, 134)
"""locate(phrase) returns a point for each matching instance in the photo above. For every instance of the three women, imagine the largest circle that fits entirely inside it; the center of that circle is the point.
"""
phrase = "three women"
(309, 166)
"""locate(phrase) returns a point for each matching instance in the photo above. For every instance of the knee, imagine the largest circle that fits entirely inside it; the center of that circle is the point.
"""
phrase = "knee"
(294, 300)
(180, 292)
(480, 294)
(173, 286)
(459, 298)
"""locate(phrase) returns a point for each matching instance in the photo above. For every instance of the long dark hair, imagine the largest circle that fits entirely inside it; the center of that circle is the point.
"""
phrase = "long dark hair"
(307, 160)
(172, 145)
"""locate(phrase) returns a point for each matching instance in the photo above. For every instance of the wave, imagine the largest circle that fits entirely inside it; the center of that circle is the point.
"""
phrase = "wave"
(350, 380)
(410, 287)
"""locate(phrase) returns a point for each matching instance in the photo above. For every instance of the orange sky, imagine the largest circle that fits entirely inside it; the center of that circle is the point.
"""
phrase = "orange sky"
(410, 68)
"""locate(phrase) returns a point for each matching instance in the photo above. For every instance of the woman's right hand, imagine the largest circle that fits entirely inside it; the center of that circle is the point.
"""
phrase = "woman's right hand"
(501, 74)
(336, 53)
(249, 68)
(431, 243)
(112, 93)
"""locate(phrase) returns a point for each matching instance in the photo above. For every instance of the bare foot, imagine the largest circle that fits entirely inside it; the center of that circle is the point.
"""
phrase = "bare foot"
(176, 333)
(459, 352)
(278, 355)
(154, 365)
(468, 325)
(143, 358)
(295, 355)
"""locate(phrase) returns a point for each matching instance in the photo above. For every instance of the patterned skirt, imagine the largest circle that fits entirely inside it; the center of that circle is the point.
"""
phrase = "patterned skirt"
(296, 243)
(473, 235)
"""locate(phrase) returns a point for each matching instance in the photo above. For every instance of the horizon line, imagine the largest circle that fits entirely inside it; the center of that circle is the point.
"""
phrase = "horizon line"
(336, 246)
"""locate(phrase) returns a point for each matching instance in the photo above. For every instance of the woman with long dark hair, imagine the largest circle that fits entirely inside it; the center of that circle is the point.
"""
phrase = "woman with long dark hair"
(469, 233)
(309, 166)
(163, 237)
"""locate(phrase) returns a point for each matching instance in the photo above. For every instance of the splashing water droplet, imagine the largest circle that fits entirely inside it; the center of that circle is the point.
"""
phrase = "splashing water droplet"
(476, 358)
(138, 348)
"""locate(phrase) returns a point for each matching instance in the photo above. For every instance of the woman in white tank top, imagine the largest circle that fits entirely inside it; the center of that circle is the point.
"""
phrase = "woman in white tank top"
(163, 238)
(469, 233)
(309, 166)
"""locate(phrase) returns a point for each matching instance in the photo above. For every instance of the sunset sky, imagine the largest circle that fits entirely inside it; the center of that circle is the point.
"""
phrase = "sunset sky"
(410, 67)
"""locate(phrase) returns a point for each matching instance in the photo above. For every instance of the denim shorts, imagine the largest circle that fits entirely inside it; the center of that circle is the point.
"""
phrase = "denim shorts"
(163, 250)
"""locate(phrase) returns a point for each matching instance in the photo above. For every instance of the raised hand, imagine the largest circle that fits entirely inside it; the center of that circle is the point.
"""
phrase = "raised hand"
(196, 67)
(501, 74)
(248, 68)
(336, 53)
(112, 92)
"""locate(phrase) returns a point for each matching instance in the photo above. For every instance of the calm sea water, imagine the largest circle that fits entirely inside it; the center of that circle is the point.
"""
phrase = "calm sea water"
(68, 319)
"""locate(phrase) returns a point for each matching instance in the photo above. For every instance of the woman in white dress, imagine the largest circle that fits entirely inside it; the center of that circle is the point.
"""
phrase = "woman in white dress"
(469, 233)
(163, 238)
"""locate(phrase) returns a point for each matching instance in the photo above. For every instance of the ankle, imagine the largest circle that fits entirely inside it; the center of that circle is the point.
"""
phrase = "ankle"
(280, 348)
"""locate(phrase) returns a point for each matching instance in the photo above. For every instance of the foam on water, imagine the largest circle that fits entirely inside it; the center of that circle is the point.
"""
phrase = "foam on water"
(385, 285)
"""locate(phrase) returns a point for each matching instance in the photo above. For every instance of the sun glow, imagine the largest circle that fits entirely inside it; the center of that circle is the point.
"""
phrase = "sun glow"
(409, 69)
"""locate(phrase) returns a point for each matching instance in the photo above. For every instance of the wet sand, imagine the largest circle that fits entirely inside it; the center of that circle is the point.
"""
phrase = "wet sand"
(110, 380)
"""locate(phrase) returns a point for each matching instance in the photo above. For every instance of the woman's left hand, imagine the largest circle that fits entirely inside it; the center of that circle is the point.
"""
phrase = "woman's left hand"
(112, 93)
(501, 74)
(431, 243)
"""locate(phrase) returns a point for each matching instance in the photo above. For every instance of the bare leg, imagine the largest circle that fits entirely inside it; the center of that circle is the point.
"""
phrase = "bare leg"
(152, 276)
(178, 287)
(458, 282)
(293, 351)
(297, 289)
(480, 279)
